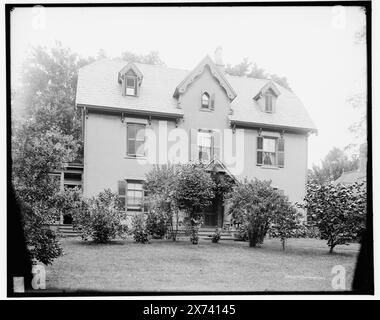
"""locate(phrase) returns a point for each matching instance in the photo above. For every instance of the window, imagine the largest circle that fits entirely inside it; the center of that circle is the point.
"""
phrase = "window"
(135, 139)
(205, 146)
(130, 86)
(269, 103)
(132, 196)
(270, 151)
(205, 100)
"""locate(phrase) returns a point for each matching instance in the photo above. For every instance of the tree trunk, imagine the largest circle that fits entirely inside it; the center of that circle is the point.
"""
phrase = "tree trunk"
(283, 244)
(332, 248)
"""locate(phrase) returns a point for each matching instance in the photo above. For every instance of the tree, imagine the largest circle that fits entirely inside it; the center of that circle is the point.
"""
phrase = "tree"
(338, 212)
(159, 186)
(193, 193)
(47, 89)
(151, 58)
(252, 70)
(286, 222)
(34, 156)
(254, 204)
(333, 165)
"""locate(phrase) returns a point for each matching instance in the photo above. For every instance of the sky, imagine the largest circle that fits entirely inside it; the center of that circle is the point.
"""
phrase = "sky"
(314, 47)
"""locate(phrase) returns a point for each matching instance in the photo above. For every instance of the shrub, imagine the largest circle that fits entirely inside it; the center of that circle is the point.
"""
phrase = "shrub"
(41, 242)
(338, 211)
(258, 208)
(216, 235)
(156, 224)
(252, 204)
(194, 191)
(139, 230)
(100, 218)
(285, 222)
(160, 187)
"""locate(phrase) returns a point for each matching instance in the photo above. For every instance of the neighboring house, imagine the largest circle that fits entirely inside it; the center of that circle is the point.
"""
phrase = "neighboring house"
(359, 175)
(131, 107)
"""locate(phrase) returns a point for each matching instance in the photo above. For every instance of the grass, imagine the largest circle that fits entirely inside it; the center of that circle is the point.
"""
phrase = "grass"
(227, 266)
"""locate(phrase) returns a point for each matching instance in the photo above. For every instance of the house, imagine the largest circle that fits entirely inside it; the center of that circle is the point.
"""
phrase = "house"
(359, 175)
(137, 115)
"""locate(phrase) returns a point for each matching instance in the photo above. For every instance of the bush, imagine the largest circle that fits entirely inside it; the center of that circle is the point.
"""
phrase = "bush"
(41, 242)
(216, 235)
(156, 224)
(100, 218)
(139, 230)
(285, 222)
(160, 187)
(258, 208)
(338, 211)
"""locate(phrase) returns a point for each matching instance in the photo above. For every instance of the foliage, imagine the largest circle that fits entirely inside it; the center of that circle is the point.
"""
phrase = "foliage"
(47, 89)
(193, 225)
(156, 224)
(194, 191)
(286, 222)
(41, 242)
(151, 58)
(252, 70)
(159, 186)
(101, 218)
(338, 211)
(216, 235)
(254, 206)
(332, 166)
(139, 229)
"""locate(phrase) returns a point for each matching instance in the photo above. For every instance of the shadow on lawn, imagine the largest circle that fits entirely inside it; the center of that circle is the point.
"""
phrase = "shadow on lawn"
(271, 246)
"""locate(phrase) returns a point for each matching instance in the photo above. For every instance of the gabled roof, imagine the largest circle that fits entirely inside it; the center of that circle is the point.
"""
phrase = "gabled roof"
(351, 177)
(218, 166)
(128, 67)
(198, 70)
(268, 86)
(98, 87)
(290, 111)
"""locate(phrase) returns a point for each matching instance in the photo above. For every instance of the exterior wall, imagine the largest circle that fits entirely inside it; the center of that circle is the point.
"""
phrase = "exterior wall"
(105, 154)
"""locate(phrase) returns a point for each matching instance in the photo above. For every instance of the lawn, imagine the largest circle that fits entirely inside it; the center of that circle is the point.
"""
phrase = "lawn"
(227, 266)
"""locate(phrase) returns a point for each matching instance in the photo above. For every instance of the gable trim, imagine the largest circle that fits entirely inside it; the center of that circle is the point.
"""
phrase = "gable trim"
(198, 70)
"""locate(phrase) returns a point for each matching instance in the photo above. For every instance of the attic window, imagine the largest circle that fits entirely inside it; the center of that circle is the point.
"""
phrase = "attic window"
(130, 86)
(269, 103)
(205, 100)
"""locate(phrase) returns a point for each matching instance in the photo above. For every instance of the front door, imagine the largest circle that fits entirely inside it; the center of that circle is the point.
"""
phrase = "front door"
(213, 215)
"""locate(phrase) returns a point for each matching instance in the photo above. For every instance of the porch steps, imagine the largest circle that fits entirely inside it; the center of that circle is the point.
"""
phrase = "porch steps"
(66, 230)
(206, 233)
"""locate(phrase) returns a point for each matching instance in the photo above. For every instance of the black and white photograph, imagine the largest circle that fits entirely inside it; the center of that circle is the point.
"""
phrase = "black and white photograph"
(186, 149)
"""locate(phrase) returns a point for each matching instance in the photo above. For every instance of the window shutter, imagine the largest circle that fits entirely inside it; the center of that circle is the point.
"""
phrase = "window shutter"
(194, 154)
(136, 87)
(259, 160)
(281, 152)
(122, 186)
(212, 102)
(216, 139)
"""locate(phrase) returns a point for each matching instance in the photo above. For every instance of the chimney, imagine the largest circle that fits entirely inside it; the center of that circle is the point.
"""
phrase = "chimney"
(218, 57)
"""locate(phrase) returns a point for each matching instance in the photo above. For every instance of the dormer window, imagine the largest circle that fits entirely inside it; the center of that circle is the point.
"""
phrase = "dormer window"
(205, 100)
(269, 103)
(130, 79)
(130, 86)
(267, 96)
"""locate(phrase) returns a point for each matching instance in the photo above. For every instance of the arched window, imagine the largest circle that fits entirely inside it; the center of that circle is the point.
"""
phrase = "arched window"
(205, 100)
